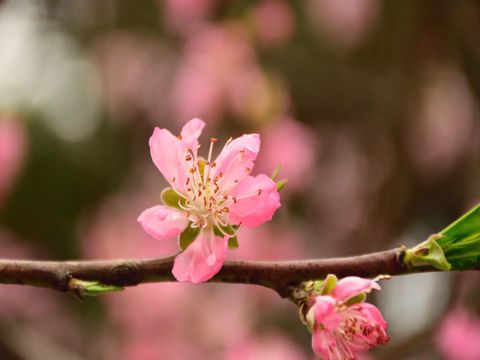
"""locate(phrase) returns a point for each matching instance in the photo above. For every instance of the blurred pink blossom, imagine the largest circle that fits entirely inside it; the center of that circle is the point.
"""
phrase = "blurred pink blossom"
(340, 330)
(269, 242)
(184, 16)
(442, 134)
(266, 347)
(218, 73)
(217, 195)
(458, 337)
(293, 146)
(12, 152)
(273, 21)
(133, 72)
(345, 22)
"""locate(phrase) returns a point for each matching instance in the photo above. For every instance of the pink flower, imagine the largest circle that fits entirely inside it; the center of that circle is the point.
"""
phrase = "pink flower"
(12, 152)
(342, 324)
(459, 336)
(208, 200)
(297, 160)
(274, 21)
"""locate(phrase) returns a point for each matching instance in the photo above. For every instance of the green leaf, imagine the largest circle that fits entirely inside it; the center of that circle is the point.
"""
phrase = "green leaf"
(281, 184)
(465, 227)
(170, 197)
(233, 242)
(91, 288)
(187, 237)
(461, 241)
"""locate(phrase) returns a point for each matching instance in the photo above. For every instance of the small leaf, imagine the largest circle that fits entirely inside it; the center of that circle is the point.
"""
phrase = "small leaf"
(233, 242)
(187, 237)
(91, 288)
(170, 197)
(281, 184)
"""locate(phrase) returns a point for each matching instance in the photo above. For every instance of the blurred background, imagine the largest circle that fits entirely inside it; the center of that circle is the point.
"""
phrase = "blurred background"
(371, 107)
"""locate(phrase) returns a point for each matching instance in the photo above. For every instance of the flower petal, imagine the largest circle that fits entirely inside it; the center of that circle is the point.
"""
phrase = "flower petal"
(259, 202)
(324, 312)
(372, 314)
(322, 343)
(351, 286)
(163, 222)
(191, 131)
(202, 259)
(375, 328)
(237, 159)
(168, 155)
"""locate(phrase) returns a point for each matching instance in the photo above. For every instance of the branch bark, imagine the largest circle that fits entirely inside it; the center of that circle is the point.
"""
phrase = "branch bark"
(280, 276)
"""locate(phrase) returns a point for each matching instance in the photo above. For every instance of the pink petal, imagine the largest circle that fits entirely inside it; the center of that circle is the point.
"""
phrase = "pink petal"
(237, 159)
(163, 222)
(191, 131)
(351, 286)
(325, 314)
(375, 328)
(372, 314)
(168, 155)
(322, 342)
(202, 259)
(257, 208)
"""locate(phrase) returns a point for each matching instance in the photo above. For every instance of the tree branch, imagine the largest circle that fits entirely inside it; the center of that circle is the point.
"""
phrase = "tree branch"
(280, 276)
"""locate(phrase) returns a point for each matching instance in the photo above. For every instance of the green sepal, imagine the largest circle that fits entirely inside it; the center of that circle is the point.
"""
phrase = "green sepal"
(329, 284)
(322, 287)
(187, 237)
(233, 242)
(356, 299)
(170, 198)
(428, 253)
(281, 184)
(91, 288)
(229, 230)
(309, 319)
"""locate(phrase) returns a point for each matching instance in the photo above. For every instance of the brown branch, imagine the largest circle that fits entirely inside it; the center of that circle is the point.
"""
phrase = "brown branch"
(280, 276)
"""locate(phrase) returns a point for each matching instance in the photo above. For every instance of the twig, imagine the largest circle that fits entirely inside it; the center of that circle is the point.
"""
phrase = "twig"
(280, 276)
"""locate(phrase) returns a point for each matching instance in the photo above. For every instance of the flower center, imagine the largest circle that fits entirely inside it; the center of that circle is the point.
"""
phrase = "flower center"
(207, 199)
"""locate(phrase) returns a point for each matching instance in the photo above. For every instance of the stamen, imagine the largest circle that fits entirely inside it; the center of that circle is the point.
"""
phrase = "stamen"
(206, 171)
